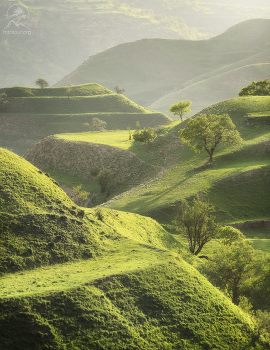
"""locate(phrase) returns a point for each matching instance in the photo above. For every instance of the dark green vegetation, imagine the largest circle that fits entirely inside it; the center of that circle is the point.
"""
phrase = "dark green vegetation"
(134, 292)
(31, 114)
(256, 88)
(204, 71)
(65, 32)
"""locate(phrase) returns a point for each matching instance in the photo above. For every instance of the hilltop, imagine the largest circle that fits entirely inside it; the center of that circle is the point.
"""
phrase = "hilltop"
(131, 289)
(64, 33)
(152, 69)
(31, 114)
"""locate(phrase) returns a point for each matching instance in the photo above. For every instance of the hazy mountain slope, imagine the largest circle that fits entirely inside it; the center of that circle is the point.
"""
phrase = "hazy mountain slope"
(65, 33)
(151, 68)
(208, 91)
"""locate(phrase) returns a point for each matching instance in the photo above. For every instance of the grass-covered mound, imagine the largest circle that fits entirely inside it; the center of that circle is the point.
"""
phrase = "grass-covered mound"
(39, 224)
(32, 114)
(120, 284)
(71, 90)
(163, 306)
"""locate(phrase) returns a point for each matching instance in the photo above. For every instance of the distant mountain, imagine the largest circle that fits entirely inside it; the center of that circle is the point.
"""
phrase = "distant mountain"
(152, 69)
(64, 33)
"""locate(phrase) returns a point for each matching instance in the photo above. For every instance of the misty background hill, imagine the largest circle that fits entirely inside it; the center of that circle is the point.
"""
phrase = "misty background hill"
(64, 33)
(159, 72)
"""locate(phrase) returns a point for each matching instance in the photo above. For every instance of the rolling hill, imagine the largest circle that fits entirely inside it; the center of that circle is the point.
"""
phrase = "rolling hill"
(134, 290)
(152, 69)
(177, 172)
(32, 114)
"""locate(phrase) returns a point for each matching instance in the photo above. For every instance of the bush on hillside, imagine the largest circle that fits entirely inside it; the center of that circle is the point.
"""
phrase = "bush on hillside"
(145, 136)
(259, 88)
(98, 125)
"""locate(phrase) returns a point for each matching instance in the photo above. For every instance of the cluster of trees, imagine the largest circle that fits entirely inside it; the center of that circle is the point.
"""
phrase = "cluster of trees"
(235, 267)
(259, 88)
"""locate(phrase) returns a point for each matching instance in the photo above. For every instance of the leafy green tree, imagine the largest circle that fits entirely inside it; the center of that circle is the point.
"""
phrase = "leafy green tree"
(196, 223)
(259, 88)
(206, 132)
(180, 108)
(42, 83)
(103, 179)
(98, 124)
(232, 266)
(145, 136)
(78, 195)
(137, 126)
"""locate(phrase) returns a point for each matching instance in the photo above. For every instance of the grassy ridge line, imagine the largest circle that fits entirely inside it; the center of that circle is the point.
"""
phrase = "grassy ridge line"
(83, 104)
(201, 93)
(78, 90)
(136, 309)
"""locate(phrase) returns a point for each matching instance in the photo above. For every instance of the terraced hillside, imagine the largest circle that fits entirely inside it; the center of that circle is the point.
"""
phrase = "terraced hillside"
(154, 69)
(132, 288)
(32, 114)
(235, 182)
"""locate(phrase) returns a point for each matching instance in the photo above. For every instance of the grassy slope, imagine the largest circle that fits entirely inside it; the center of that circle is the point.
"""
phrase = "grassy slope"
(186, 178)
(227, 181)
(137, 292)
(33, 114)
(176, 61)
(202, 94)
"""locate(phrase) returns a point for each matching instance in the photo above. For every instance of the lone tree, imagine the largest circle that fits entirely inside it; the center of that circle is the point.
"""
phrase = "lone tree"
(180, 108)
(42, 83)
(259, 88)
(197, 224)
(206, 132)
(119, 90)
(145, 136)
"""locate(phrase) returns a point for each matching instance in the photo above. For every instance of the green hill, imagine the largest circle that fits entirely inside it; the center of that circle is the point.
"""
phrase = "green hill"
(177, 172)
(32, 114)
(100, 278)
(178, 62)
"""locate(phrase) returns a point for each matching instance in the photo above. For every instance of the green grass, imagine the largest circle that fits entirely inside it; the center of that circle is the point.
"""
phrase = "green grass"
(100, 278)
(73, 90)
(31, 114)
